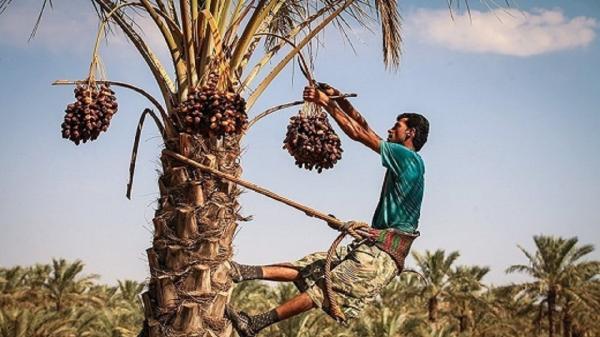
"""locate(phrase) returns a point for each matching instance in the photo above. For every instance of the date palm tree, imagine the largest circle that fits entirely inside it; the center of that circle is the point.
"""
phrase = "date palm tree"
(436, 267)
(12, 285)
(65, 284)
(402, 292)
(581, 294)
(555, 267)
(197, 214)
(465, 295)
(213, 43)
(381, 321)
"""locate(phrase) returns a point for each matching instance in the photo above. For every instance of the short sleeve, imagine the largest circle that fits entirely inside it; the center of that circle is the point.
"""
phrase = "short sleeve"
(395, 156)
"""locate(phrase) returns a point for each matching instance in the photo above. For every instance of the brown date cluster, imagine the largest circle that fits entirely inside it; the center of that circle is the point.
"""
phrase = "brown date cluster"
(312, 142)
(90, 114)
(209, 110)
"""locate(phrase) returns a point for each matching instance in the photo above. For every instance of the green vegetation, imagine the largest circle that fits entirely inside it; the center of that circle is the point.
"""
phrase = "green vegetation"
(57, 300)
(562, 298)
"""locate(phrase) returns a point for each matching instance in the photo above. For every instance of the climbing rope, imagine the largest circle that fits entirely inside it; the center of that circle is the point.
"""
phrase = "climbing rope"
(333, 222)
(351, 228)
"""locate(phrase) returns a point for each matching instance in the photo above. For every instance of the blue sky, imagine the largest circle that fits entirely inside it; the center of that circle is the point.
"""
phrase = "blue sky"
(512, 99)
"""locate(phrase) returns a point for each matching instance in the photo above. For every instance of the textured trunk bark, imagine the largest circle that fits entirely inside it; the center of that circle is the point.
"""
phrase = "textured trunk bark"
(193, 230)
(567, 320)
(433, 309)
(539, 318)
(465, 320)
(462, 323)
(577, 331)
(551, 307)
(59, 304)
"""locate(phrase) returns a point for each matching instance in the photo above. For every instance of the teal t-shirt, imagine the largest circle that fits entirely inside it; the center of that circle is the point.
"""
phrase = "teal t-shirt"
(399, 205)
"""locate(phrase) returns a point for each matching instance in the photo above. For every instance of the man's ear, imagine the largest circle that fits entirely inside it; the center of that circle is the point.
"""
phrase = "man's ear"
(412, 132)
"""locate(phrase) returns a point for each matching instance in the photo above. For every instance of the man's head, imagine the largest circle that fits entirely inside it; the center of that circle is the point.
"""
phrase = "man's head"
(410, 130)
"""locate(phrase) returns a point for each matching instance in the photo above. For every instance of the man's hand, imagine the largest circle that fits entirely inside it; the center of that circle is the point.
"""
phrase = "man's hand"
(327, 89)
(353, 125)
(370, 233)
(314, 95)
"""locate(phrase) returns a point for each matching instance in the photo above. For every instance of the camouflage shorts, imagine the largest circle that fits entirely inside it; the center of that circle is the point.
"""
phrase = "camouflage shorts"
(358, 274)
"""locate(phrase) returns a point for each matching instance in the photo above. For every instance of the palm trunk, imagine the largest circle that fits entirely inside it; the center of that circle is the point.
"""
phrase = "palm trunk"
(567, 320)
(464, 319)
(577, 331)
(462, 323)
(551, 307)
(193, 230)
(433, 309)
(539, 319)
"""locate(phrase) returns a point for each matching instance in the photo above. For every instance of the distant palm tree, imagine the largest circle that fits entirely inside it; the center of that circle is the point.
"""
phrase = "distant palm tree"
(500, 312)
(130, 305)
(420, 327)
(402, 293)
(383, 322)
(12, 285)
(66, 284)
(129, 293)
(581, 295)
(436, 267)
(33, 323)
(36, 276)
(110, 311)
(555, 266)
(465, 294)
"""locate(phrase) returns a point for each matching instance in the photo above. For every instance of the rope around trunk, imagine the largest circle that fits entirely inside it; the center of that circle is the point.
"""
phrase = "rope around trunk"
(350, 227)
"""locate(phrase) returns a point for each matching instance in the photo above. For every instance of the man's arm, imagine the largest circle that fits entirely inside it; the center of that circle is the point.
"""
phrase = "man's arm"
(347, 107)
(351, 127)
(344, 104)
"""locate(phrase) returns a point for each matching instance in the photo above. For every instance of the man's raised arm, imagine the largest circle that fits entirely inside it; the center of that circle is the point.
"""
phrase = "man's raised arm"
(354, 129)
(344, 104)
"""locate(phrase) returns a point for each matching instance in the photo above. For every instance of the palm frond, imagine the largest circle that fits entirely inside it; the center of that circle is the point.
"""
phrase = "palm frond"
(530, 257)
(519, 269)
(391, 31)
(581, 252)
(4, 5)
(289, 16)
(39, 17)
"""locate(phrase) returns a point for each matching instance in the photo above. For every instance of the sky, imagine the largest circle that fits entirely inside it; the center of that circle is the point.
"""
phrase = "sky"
(512, 96)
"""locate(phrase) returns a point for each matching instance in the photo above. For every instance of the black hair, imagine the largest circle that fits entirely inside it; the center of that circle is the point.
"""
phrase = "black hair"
(421, 126)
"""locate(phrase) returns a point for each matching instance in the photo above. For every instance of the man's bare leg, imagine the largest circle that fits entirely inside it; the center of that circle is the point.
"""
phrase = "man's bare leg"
(296, 305)
(281, 273)
(248, 326)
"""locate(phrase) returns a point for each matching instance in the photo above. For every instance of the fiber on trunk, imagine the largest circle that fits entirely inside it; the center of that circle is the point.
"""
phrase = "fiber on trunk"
(194, 226)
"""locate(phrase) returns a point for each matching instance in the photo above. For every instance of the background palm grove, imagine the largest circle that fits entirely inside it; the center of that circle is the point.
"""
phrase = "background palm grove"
(450, 299)
(213, 61)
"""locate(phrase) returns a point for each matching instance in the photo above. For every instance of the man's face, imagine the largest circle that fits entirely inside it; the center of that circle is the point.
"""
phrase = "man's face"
(400, 132)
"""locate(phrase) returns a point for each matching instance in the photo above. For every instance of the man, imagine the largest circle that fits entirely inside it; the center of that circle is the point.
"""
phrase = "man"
(362, 269)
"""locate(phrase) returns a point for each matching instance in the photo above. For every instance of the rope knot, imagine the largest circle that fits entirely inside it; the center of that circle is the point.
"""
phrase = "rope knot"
(351, 227)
